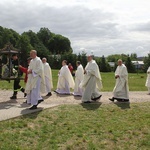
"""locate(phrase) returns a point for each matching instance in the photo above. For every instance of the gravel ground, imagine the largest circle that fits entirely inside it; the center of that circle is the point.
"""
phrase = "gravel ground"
(135, 97)
(14, 108)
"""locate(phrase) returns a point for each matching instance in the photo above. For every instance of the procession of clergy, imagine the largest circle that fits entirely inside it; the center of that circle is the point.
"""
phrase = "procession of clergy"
(88, 82)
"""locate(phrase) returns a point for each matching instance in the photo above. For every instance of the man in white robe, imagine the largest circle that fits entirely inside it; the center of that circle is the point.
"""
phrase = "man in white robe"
(35, 80)
(48, 76)
(148, 80)
(78, 78)
(92, 82)
(65, 80)
(121, 89)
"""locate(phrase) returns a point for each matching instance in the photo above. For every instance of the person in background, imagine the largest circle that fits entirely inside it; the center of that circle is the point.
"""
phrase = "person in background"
(121, 89)
(16, 85)
(78, 78)
(92, 82)
(65, 80)
(147, 84)
(71, 68)
(25, 70)
(48, 77)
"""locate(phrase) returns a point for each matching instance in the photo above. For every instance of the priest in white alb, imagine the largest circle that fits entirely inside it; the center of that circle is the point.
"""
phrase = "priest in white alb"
(121, 89)
(78, 78)
(48, 77)
(148, 80)
(92, 82)
(36, 81)
(65, 80)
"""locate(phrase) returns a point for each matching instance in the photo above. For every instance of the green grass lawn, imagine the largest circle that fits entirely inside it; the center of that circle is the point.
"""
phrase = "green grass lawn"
(136, 82)
(80, 127)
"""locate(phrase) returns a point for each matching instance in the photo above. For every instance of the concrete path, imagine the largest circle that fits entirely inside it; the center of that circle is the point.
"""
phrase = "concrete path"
(14, 108)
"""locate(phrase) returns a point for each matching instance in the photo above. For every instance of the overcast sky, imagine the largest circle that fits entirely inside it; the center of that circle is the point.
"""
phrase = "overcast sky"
(101, 27)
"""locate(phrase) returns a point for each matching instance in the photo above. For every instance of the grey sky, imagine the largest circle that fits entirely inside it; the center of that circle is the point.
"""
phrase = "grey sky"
(100, 26)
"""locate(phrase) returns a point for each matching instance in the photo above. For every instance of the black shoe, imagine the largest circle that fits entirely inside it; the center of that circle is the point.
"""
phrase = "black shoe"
(87, 102)
(22, 90)
(33, 107)
(39, 101)
(111, 99)
(13, 97)
(95, 99)
(49, 94)
(56, 92)
(123, 100)
(25, 94)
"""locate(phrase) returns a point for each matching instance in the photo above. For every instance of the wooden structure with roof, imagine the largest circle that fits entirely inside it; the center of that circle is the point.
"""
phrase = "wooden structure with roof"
(7, 68)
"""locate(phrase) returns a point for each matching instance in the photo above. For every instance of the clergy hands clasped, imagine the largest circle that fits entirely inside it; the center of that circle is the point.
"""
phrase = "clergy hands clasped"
(29, 71)
(85, 72)
(117, 76)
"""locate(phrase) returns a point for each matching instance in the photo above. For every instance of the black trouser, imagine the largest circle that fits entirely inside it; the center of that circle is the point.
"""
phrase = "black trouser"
(17, 86)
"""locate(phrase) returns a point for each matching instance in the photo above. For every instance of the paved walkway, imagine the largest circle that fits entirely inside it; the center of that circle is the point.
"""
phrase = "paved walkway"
(14, 108)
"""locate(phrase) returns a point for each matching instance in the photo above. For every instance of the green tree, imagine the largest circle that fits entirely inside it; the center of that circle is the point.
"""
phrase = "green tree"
(146, 62)
(129, 65)
(133, 56)
(37, 44)
(83, 58)
(44, 35)
(44, 41)
(115, 57)
(104, 66)
(25, 47)
(8, 36)
(59, 44)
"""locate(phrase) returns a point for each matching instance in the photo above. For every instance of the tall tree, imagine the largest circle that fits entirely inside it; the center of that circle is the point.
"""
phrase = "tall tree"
(104, 66)
(115, 57)
(25, 47)
(146, 62)
(37, 44)
(44, 35)
(129, 65)
(133, 56)
(83, 58)
(59, 44)
(8, 36)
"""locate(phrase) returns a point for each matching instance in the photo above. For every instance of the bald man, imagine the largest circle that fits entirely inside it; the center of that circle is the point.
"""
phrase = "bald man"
(35, 80)
(92, 82)
(48, 76)
(121, 89)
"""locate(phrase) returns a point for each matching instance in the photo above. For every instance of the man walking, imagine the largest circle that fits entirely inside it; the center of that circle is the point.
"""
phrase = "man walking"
(92, 81)
(35, 80)
(16, 85)
(65, 80)
(78, 78)
(121, 89)
(48, 77)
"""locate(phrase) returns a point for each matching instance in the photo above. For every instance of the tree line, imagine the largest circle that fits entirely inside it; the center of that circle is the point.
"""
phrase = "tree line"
(56, 47)
(44, 41)
(103, 62)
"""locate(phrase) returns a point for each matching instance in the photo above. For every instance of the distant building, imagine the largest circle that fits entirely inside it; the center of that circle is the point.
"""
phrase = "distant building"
(138, 64)
(111, 64)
